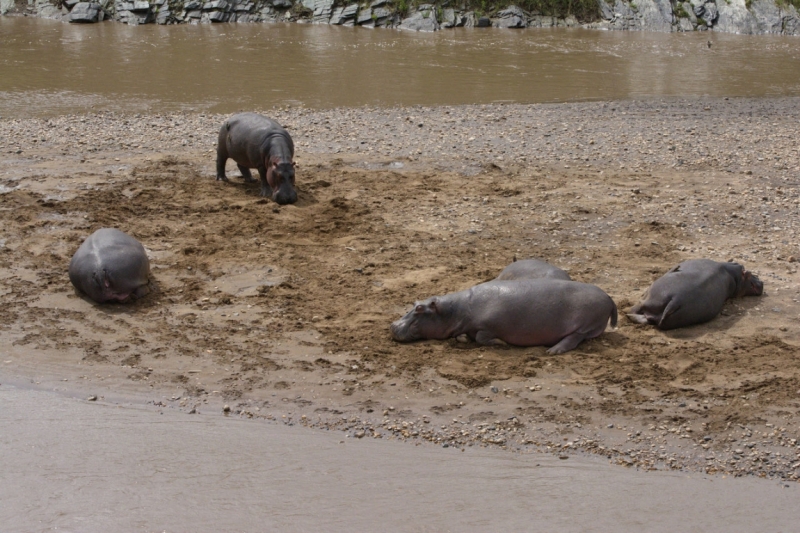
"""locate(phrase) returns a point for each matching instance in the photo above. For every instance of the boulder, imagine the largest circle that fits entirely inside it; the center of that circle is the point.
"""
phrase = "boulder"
(655, 15)
(511, 17)
(322, 11)
(768, 16)
(423, 20)
(85, 12)
(733, 17)
(342, 15)
(6, 6)
(710, 13)
(282, 4)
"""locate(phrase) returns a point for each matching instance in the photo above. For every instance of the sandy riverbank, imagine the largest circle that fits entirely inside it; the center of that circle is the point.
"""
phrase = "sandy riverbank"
(283, 312)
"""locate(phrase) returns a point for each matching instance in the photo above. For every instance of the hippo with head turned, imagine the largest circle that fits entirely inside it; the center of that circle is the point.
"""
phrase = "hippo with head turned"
(110, 266)
(530, 312)
(694, 292)
(255, 141)
(532, 269)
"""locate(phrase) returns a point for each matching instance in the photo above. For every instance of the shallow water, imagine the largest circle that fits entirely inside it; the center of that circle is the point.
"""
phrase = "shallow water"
(73, 465)
(49, 67)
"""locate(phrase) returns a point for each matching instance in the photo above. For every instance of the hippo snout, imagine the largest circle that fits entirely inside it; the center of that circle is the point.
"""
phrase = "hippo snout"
(402, 331)
(285, 197)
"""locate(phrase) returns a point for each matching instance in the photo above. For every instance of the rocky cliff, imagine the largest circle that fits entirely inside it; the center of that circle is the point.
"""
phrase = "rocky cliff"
(730, 16)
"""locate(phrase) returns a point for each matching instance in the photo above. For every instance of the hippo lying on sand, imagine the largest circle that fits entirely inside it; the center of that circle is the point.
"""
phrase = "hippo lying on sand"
(536, 312)
(532, 269)
(110, 266)
(254, 141)
(694, 292)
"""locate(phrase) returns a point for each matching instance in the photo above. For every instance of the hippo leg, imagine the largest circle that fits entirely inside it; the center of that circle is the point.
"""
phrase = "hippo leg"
(246, 174)
(222, 158)
(640, 314)
(266, 190)
(570, 342)
(485, 338)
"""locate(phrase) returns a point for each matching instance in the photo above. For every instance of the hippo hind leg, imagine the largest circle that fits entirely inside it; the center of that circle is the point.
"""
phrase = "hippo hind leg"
(570, 342)
(248, 177)
(485, 338)
(222, 158)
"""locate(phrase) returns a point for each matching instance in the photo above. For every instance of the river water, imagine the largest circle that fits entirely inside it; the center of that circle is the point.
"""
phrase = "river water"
(49, 67)
(70, 465)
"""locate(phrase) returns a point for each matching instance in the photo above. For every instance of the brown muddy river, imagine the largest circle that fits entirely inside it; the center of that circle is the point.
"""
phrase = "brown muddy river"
(50, 67)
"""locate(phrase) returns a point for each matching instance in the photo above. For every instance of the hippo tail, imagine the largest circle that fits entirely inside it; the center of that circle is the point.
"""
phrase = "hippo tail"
(613, 315)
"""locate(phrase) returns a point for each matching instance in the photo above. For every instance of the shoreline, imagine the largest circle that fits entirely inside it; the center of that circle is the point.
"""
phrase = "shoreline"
(402, 203)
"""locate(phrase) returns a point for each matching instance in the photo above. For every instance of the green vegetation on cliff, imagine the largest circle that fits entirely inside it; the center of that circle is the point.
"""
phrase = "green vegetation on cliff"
(583, 10)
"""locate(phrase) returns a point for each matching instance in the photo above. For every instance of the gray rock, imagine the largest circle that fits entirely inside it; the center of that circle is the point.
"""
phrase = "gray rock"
(689, 10)
(605, 10)
(423, 20)
(70, 3)
(218, 16)
(192, 5)
(322, 11)
(735, 18)
(85, 12)
(655, 15)
(768, 16)
(710, 13)
(343, 15)
(684, 24)
(511, 17)
(378, 3)
(141, 5)
(364, 16)
(6, 6)
(215, 5)
(282, 4)
(452, 19)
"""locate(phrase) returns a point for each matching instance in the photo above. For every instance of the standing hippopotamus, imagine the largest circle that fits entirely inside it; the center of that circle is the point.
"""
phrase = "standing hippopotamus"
(531, 312)
(694, 292)
(532, 269)
(254, 141)
(110, 266)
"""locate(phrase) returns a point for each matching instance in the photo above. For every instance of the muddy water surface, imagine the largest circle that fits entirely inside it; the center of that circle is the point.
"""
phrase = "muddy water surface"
(49, 67)
(72, 465)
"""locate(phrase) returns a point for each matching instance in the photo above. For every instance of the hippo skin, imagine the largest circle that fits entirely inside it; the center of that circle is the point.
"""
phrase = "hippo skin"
(532, 269)
(531, 312)
(110, 266)
(694, 292)
(255, 141)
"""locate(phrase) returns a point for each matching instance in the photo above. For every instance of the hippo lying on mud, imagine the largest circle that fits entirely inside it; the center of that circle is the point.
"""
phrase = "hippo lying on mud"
(110, 266)
(534, 312)
(532, 269)
(694, 292)
(254, 141)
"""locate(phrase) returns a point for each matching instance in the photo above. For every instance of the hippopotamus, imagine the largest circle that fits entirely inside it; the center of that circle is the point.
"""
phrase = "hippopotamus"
(694, 292)
(532, 269)
(255, 141)
(529, 312)
(110, 266)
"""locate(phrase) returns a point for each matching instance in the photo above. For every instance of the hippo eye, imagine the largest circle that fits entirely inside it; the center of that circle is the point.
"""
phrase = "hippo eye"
(419, 308)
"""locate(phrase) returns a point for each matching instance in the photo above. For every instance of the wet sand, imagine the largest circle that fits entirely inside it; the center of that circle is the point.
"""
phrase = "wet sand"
(282, 313)
(72, 465)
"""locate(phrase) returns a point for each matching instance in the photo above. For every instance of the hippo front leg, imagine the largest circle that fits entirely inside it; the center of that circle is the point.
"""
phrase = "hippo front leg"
(248, 177)
(266, 190)
(485, 338)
